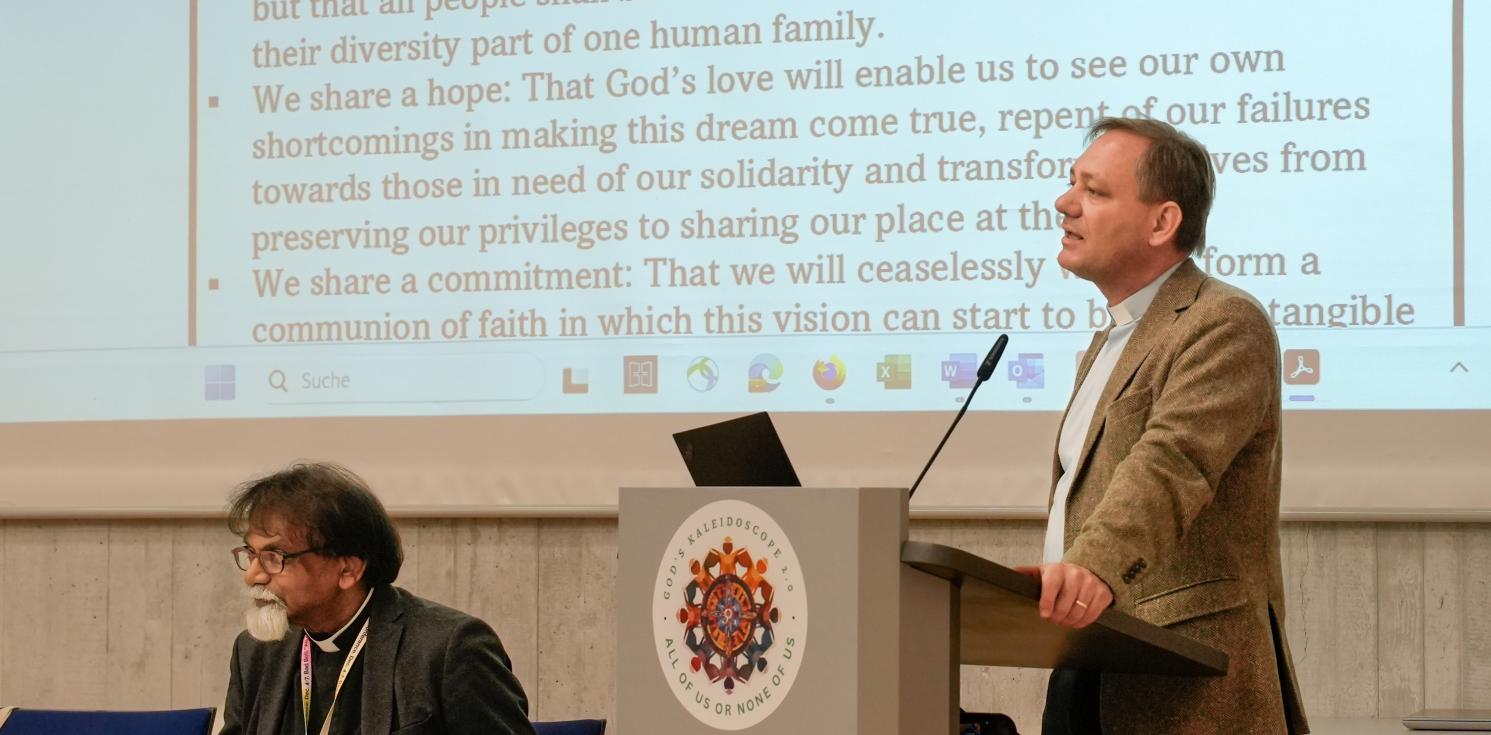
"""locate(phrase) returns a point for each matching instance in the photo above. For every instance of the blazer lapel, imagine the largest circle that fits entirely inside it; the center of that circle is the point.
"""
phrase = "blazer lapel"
(385, 630)
(279, 678)
(1175, 296)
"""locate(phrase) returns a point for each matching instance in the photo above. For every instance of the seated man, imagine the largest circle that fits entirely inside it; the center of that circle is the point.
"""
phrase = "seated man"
(332, 646)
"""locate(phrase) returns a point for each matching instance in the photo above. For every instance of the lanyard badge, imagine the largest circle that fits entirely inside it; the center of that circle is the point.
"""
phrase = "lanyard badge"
(305, 677)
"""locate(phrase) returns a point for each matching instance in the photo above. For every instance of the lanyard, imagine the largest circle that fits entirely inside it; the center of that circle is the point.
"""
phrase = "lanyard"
(305, 677)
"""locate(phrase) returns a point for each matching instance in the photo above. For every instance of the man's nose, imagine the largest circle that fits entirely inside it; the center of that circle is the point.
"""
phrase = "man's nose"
(255, 574)
(1067, 203)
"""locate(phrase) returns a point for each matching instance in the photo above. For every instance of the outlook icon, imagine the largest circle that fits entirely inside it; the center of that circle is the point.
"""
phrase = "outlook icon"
(1028, 371)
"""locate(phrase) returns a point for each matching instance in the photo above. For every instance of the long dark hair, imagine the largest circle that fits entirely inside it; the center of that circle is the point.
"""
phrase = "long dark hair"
(333, 506)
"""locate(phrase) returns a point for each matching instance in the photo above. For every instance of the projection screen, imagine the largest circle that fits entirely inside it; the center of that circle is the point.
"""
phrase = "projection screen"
(492, 253)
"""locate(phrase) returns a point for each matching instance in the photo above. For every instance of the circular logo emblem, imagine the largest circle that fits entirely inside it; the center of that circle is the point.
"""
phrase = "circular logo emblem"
(703, 374)
(765, 374)
(829, 375)
(730, 615)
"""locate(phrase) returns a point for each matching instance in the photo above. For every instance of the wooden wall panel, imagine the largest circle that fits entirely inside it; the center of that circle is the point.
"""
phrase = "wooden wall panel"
(56, 600)
(1353, 608)
(1383, 618)
(409, 573)
(1331, 615)
(1400, 619)
(1444, 603)
(139, 615)
(577, 565)
(498, 561)
(1475, 620)
(207, 611)
(433, 570)
(4, 587)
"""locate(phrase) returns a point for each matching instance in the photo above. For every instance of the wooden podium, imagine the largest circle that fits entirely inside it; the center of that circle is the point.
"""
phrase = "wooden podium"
(807, 610)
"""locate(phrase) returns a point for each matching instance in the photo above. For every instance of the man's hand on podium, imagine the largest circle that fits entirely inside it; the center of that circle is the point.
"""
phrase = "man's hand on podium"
(1071, 596)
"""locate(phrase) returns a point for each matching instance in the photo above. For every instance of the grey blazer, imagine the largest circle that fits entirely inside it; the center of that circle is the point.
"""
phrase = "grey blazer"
(453, 675)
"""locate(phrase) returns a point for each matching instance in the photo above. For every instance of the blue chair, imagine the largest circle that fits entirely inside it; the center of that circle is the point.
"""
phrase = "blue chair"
(570, 727)
(84, 722)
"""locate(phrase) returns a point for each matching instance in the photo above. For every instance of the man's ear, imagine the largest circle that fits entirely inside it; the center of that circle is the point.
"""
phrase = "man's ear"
(1165, 224)
(350, 572)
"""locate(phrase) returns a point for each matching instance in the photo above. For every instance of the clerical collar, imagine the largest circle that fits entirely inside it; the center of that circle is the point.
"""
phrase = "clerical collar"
(1132, 308)
(328, 644)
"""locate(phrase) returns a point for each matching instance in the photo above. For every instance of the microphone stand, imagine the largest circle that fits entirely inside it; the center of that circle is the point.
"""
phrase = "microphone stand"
(985, 371)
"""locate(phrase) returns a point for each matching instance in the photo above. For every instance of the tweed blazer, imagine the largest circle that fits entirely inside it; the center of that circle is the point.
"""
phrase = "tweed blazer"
(426, 669)
(1175, 505)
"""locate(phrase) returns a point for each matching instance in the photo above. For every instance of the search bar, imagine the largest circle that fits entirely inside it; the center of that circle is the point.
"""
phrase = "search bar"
(430, 379)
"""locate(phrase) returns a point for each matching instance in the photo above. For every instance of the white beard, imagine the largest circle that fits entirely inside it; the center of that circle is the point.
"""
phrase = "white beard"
(266, 622)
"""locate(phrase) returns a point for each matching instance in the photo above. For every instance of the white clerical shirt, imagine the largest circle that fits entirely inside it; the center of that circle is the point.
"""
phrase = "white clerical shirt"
(1126, 315)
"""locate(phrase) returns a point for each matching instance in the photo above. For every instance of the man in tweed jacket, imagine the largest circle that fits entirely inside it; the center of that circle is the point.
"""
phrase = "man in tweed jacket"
(1165, 493)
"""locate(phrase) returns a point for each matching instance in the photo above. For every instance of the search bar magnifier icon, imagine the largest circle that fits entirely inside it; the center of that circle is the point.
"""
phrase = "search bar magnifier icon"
(277, 380)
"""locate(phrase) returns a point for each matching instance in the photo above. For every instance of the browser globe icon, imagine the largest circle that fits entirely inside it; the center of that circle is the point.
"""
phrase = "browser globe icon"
(703, 374)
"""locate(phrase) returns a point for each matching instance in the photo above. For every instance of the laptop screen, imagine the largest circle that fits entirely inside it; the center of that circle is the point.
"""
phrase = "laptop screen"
(740, 452)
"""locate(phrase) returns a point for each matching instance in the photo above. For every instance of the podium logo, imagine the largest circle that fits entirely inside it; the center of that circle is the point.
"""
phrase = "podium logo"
(730, 615)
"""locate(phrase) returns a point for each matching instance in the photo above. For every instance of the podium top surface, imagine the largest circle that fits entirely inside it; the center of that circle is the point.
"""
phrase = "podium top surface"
(1000, 625)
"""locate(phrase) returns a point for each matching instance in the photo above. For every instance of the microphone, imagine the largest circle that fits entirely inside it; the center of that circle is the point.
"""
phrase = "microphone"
(991, 361)
(985, 371)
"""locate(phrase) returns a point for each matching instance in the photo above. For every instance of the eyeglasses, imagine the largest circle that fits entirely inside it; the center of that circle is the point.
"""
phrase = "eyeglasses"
(270, 560)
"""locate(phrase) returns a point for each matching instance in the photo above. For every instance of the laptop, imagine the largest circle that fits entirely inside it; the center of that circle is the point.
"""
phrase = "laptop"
(1449, 719)
(740, 452)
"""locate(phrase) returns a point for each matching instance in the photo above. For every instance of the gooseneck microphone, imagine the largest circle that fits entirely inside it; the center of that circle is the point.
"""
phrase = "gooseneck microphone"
(985, 371)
